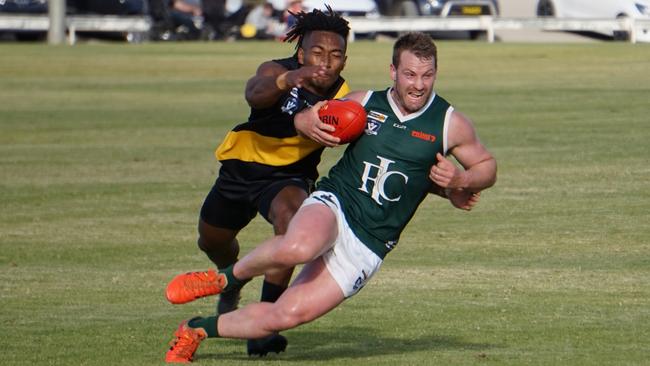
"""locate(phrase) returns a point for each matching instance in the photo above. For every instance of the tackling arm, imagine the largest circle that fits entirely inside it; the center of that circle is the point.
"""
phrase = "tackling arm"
(272, 80)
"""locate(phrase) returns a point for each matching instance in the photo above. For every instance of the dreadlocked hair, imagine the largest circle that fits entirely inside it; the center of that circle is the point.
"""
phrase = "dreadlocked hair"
(317, 20)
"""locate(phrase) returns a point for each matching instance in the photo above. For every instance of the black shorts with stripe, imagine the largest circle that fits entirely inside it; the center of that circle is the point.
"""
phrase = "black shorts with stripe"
(233, 204)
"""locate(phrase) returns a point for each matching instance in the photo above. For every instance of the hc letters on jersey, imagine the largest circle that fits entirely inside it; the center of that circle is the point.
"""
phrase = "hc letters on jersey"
(378, 176)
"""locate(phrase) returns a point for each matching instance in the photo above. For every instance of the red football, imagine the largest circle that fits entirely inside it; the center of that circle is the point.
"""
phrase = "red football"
(347, 116)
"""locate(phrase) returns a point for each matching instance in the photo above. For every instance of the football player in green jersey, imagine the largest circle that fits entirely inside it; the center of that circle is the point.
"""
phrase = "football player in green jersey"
(344, 230)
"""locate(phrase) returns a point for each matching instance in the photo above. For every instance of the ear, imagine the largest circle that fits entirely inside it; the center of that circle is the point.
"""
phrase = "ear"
(301, 56)
(393, 72)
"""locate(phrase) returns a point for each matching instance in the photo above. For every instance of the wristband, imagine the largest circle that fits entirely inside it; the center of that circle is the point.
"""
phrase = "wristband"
(281, 81)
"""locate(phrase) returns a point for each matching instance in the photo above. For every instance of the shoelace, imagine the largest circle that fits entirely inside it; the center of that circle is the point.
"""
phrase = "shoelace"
(201, 284)
(184, 345)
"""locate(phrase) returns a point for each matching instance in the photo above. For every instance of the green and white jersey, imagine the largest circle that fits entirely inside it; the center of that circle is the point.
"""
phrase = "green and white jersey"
(384, 175)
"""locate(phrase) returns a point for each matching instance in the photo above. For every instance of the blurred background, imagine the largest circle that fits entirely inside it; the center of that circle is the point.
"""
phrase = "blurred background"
(214, 20)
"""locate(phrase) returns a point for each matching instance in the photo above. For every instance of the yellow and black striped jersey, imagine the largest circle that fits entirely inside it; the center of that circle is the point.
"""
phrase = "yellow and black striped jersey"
(268, 145)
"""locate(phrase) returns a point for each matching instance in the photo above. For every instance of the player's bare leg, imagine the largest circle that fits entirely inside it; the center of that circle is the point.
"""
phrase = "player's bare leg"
(283, 207)
(219, 244)
(313, 294)
(310, 234)
(222, 247)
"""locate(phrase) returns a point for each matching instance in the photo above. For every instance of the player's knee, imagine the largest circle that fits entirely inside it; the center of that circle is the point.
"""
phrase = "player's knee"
(291, 317)
(281, 215)
(280, 224)
(214, 239)
(294, 250)
(207, 245)
(213, 245)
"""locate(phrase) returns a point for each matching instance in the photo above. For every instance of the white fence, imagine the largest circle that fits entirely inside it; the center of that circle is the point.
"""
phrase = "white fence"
(489, 24)
(81, 23)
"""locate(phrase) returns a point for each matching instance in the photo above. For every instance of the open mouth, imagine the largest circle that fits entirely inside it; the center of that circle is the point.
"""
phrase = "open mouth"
(415, 96)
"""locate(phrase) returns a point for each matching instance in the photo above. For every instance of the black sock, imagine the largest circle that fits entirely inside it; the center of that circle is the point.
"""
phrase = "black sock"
(208, 324)
(271, 292)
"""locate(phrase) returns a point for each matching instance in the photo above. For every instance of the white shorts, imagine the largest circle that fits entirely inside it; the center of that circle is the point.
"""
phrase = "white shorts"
(349, 261)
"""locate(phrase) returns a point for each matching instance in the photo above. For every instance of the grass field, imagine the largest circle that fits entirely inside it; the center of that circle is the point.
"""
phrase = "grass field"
(106, 153)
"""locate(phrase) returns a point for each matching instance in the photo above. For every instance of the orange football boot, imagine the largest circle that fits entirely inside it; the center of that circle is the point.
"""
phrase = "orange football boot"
(185, 344)
(190, 286)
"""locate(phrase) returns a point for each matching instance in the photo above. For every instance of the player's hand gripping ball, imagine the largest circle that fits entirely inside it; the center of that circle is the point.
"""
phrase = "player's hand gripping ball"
(347, 116)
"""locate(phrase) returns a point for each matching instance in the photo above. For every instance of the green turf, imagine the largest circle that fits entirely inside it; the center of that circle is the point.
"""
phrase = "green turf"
(106, 153)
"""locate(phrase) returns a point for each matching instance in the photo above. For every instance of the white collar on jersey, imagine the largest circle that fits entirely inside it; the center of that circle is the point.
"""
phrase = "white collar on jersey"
(402, 118)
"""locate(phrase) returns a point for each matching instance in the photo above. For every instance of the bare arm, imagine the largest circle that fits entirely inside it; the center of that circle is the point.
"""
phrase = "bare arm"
(459, 198)
(272, 80)
(308, 124)
(479, 165)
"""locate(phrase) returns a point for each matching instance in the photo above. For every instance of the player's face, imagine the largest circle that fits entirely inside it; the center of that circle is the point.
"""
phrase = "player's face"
(327, 49)
(413, 82)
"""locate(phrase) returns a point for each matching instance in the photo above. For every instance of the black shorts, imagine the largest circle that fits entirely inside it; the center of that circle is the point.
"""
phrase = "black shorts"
(232, 205)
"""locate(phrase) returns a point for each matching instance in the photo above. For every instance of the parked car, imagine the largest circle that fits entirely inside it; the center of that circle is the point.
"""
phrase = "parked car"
(441, 8)
(23, 6)
(109, 7)
(601, 9)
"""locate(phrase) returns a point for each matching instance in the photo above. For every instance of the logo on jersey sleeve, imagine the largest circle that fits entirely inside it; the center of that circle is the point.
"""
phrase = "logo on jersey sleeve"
(375, 121)
(377, 176)
(292, 103)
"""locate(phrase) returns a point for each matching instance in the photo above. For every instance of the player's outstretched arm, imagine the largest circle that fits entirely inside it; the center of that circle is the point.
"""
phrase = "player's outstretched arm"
(357, 96)
(272, 80)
